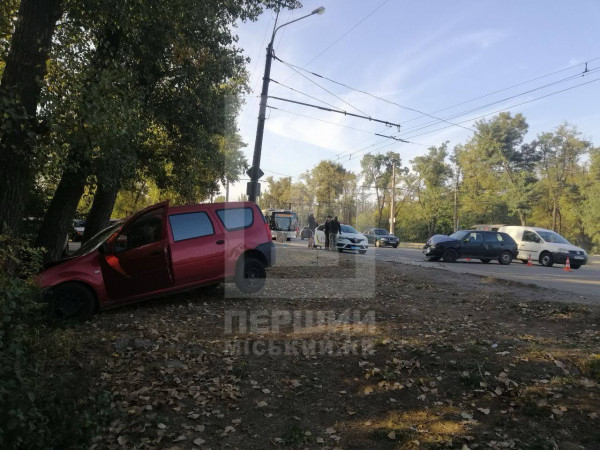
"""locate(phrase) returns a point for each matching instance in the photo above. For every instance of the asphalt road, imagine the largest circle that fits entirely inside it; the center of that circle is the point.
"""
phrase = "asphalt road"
(581, 283)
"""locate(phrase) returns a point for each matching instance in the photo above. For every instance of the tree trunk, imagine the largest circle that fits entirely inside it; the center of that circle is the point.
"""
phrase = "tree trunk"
(102, 207)
(20, 89)
(60, 214)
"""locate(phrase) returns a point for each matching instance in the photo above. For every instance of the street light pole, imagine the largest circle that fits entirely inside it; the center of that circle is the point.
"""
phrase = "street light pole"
(253, 187)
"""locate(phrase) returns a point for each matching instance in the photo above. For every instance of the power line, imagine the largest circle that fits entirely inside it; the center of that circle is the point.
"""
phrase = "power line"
(325, 89)
(292, 66)
(509, 87)
(346, 113)
(484, 115)
(304, 93)
(571, 77)
(346, 33)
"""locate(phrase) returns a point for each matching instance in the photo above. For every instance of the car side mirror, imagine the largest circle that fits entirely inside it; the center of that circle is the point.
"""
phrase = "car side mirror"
(466, 240)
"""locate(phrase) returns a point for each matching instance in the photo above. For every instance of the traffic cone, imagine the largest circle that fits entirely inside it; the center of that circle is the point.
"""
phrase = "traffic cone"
(568, 266)
(529, 261)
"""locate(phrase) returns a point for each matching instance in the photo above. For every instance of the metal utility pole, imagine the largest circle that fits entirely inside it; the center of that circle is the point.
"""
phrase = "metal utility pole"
(253, 186)
(392, 206)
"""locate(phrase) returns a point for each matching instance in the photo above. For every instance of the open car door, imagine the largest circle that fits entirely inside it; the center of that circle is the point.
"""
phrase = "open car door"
(136, 260)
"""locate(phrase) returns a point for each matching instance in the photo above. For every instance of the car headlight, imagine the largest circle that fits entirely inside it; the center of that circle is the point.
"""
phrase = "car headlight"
(563, 250)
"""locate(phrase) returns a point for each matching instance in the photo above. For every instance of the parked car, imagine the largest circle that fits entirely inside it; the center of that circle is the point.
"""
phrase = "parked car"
(305, 233)
(380, 237)
(545, 246)
(159, 250)
(348, 240)
(482, 245)
(77, 230)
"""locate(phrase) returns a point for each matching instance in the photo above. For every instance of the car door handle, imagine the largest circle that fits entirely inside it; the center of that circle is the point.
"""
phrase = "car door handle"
(220, 242)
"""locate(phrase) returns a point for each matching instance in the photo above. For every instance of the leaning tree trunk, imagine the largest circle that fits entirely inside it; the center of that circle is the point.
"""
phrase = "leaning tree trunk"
(102, 207)
(20, 89)
(61, 212)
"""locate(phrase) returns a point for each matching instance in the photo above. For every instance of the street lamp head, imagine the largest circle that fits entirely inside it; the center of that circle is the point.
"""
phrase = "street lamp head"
(319, 10)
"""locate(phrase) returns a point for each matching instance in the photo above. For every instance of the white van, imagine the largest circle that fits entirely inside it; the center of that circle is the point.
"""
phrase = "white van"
(545, 246)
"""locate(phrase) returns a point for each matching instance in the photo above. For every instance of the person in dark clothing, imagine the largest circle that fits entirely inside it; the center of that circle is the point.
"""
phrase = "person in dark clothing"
(327, 229)
(312, 223)
(334, 229)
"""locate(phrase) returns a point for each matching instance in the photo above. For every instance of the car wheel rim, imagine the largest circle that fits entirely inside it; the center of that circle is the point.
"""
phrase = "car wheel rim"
(545, 260)
(252, 276)
(506, 258)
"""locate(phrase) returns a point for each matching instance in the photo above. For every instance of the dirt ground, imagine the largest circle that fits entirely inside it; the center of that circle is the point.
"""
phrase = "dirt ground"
(413, 358)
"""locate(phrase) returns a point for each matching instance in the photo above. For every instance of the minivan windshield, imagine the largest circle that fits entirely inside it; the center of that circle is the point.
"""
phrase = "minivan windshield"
(552, 237)
(97, 240)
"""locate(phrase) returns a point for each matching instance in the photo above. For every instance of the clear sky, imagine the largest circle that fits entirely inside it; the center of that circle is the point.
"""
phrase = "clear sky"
(424, 55)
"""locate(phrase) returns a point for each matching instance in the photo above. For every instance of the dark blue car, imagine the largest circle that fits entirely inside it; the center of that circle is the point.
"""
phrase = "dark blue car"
(476, 244)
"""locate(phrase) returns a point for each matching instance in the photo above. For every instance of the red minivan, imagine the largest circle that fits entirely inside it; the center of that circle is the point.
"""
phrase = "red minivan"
(159, 250)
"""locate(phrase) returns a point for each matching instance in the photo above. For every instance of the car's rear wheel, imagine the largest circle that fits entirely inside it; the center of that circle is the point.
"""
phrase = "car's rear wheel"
(250, 275)
(450, 255)
(575, 266)
(546, 259)
(505, 258)
(72, 301)
(485, 260)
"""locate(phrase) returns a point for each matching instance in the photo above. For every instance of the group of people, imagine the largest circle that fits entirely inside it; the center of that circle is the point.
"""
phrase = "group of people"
(332, 229)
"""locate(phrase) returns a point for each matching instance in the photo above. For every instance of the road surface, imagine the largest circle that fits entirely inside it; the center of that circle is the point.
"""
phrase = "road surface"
(584, 282)
(582, 285)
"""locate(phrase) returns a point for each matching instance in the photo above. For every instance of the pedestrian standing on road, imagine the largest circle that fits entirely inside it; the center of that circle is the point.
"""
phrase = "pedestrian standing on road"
(334, 229)
(327, 230)
(312, 223)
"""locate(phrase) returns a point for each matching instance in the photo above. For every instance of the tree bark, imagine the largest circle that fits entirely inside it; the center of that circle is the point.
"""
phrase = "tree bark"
(60, 214)
(20, 89)
(102, 207)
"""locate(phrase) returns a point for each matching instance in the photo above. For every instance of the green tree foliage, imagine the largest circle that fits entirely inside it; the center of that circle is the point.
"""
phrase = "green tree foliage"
(432, 193)
(377, 174)
(278, 193)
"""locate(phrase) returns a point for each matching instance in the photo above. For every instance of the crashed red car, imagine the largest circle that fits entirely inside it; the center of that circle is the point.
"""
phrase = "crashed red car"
(160, 250)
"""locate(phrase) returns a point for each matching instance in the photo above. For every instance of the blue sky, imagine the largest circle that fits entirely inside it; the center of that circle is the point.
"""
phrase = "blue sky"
(427, 55)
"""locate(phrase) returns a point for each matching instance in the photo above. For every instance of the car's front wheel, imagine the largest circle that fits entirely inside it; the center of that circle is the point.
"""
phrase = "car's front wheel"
(450, 255)
(505, 258)
(395, 245)
(546, 259)
(72, 301)
(575, 266)
(250, 275)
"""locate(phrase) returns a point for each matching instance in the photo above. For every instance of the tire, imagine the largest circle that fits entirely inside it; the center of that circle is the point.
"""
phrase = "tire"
(546, 259)
(450, 255)
(485, 260)
(250, 275)
(395, 245)
(575, 266)
(362, 252)
(433, 258)
(72, 301)
(341, 250)
(505, 258)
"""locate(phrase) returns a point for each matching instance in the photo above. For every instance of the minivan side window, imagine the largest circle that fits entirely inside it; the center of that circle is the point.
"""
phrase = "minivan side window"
(236, 218)
(190, 225)
(530, 236)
